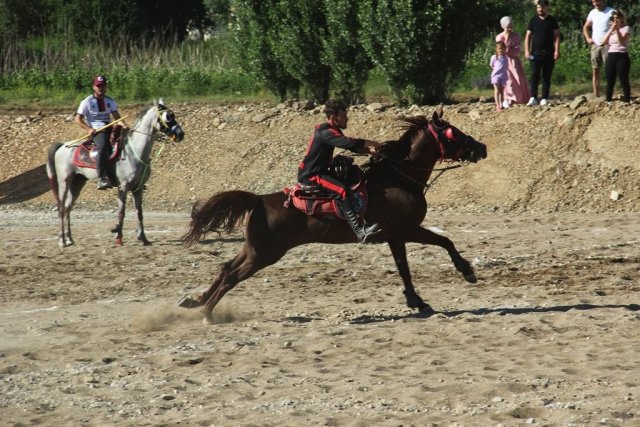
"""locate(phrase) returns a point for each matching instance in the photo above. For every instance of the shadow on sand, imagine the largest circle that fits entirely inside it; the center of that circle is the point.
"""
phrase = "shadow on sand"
(25, 186)
(499, 311)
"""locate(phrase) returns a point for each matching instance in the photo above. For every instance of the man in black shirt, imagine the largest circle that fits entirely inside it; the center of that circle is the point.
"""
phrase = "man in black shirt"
(314, 168)
(542, 48)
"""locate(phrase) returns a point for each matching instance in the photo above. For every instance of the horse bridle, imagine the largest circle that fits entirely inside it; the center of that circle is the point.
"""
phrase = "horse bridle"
(439, 133)
(445, 133)
(167, 120)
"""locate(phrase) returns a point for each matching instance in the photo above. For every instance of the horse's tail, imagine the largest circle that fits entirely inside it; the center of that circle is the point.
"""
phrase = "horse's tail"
(222, 212)
(51, 169)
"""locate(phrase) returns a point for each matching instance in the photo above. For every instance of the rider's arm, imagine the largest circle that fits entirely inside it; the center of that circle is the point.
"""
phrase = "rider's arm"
(79, 119)
(116, 116)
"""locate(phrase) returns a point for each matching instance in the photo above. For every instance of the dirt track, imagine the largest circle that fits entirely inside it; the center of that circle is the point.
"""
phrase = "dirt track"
(548, 336)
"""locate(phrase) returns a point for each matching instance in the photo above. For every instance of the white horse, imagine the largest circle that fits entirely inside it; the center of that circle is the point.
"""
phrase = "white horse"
(69, 167)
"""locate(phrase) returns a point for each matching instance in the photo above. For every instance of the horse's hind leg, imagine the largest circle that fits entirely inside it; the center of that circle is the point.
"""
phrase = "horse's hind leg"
(399, 252)
(69, 191)
(249, 266)
(189, 302)
(428, 237)
(75, 187)
(244, 265)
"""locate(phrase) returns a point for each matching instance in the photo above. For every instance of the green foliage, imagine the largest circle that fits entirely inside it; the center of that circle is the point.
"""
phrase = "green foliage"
(419, 46)
(343, 52)
(298, 29)
(97, 21)
(254, 50)
(421, 49)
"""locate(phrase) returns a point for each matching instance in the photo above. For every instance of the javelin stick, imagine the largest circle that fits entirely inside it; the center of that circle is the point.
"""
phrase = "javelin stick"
(83, 138)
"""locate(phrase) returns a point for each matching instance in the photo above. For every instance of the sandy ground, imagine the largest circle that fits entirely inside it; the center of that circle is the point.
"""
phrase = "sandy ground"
(548, 336)
(92, 336)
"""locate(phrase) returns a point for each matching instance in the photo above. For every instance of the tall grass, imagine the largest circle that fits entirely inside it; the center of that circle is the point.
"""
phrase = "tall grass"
(49, 71)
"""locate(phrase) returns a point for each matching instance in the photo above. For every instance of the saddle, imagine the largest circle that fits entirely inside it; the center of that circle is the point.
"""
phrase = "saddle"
(85, 155)
(314, 200)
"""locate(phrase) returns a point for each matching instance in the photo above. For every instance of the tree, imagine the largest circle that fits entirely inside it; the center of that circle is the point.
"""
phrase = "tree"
(254, 50)
(420, 45)
(297, 36)
(342, 51)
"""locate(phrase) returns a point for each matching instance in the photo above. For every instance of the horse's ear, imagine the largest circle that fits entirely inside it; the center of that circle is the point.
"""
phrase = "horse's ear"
(435, 116)
(160, 101)
(440, 111)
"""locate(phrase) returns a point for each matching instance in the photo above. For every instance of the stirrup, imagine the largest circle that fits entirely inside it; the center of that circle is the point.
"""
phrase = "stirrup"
(369, 232)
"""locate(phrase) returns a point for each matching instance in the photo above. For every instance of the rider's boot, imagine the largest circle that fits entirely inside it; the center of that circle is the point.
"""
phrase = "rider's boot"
(364, 233)
(101, 161)
(103, 184)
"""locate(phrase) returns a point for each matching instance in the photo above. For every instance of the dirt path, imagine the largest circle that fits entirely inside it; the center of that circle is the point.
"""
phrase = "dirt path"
(548, 336)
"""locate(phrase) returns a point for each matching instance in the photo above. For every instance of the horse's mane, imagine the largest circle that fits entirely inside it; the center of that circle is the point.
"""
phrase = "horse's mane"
(399, 149)
(140, 115)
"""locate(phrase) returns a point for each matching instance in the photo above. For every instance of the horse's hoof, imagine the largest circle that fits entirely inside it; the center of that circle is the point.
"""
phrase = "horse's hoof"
(471, 278)
(426, 311)
(187, 302)
(208, 321)
(118, 242)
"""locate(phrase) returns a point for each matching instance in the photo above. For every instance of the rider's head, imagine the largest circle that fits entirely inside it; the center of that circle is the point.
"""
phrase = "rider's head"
(336, 113)
(99, 86)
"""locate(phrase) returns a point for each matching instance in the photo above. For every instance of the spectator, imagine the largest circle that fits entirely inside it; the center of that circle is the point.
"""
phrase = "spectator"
(598, 24)
(542, 47)
(498, 64)
(516, 90)
(618, 62)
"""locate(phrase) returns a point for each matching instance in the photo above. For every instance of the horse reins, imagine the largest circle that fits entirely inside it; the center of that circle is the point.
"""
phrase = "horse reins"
(437, 133)
(425, 185)
(146, 164)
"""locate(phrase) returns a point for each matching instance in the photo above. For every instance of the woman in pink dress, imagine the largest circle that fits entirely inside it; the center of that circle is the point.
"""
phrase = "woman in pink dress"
(516, 90)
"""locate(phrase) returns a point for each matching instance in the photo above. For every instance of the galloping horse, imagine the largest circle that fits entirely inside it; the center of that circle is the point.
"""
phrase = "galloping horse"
(132, 169)
(396, 182)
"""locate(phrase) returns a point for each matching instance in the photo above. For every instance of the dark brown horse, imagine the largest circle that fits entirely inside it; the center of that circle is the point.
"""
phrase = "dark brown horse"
(396, 181)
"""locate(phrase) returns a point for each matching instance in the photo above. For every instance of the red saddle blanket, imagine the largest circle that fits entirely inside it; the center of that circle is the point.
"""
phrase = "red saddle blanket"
(84, 156)
(314, 204)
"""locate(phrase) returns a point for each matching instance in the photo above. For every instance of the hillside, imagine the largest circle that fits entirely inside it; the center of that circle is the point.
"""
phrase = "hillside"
(564, 157)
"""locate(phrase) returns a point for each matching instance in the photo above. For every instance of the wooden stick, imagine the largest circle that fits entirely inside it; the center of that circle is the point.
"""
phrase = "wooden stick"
(84, 138)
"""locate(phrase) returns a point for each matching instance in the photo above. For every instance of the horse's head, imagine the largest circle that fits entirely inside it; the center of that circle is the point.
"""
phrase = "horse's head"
(167, 122)
(455, 144)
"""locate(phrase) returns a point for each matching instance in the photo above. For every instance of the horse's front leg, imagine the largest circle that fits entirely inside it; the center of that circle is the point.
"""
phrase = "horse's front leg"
(428, 237)
(122, 204)
(137, 202)
(399, 252)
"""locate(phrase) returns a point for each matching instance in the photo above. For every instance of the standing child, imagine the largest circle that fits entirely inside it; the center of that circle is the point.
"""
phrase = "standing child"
(498, 63)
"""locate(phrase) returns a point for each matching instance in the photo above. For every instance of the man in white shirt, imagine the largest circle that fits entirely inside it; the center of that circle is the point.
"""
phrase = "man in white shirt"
(594, 30)
(95, 112)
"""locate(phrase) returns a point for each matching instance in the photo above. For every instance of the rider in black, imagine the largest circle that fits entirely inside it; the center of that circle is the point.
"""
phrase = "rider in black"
(314, 168)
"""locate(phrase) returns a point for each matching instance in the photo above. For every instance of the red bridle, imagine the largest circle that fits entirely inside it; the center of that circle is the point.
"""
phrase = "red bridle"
(448, 134)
